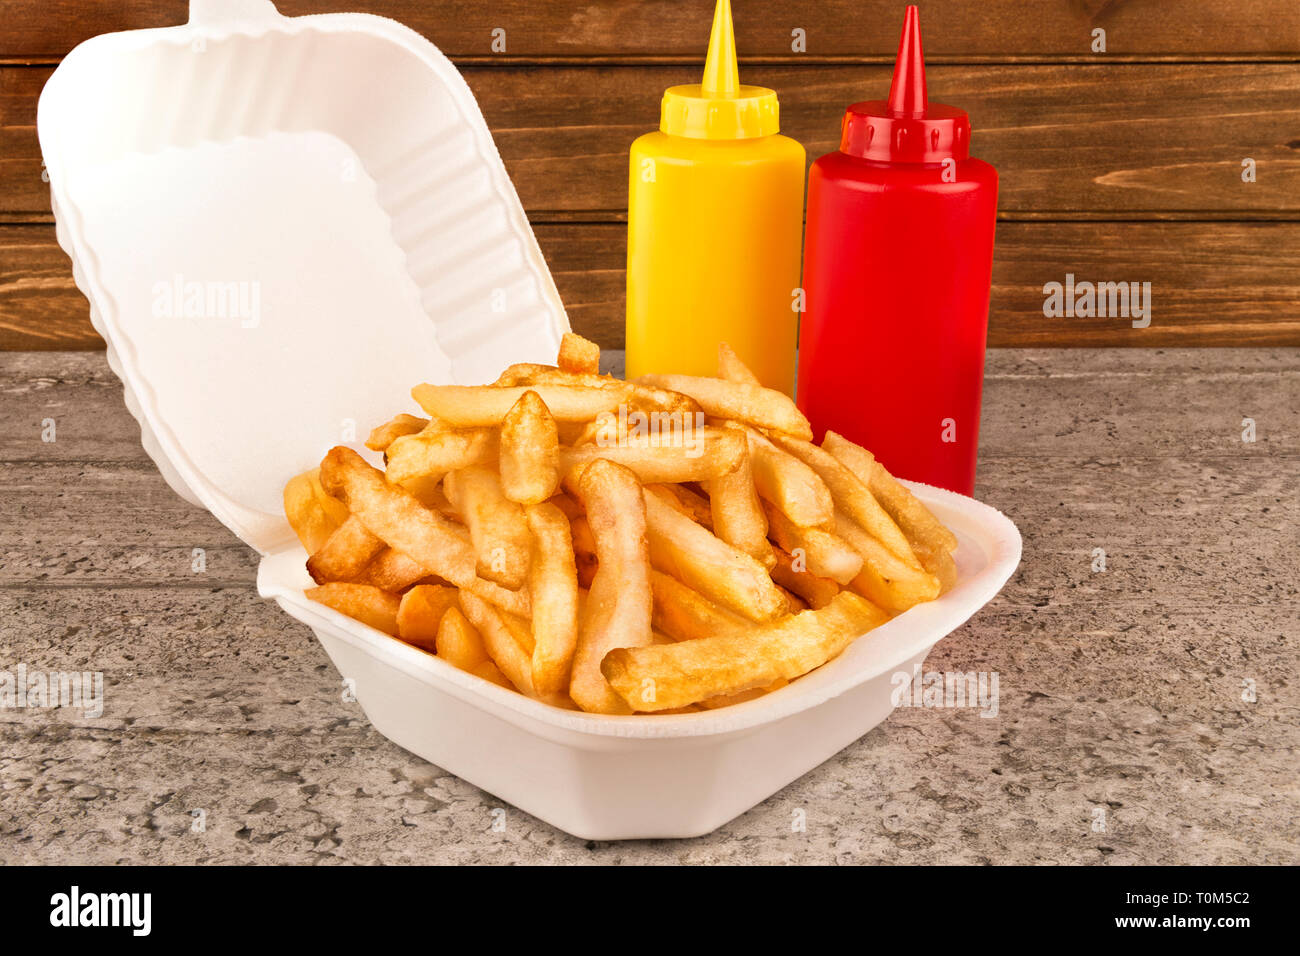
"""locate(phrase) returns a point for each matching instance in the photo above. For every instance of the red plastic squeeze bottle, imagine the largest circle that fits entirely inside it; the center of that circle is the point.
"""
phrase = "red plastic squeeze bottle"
(897, 266)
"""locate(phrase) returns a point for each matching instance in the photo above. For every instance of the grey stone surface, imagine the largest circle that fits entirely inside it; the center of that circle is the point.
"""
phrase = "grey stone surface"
(1120, 691)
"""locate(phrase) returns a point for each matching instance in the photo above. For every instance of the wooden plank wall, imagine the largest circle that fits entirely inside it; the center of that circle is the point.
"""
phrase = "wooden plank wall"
(1123, 165)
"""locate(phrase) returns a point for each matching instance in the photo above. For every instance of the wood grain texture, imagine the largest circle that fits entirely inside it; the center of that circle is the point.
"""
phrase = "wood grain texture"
(1105, 142)
(955, 28)
(1213, 283)
(1121, 688)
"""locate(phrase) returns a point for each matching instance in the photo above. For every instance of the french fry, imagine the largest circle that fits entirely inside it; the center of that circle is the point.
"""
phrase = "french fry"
(530, 447)
(788, 483)
(884, 578)
(578, 354)
(827, 554)
(815, 590)
(496, 525)
(345, 554)
(312, 514)
(419, 616)
(396, 516)
(399, 425)
(360, 602)
(657, 678)
(851, 495)
(458, 642)
(922, 528)
(617, 609)
(685, 615)
(391, 570)
(708, 453)
(464, 406)
(433, 454)
(722, 573)
(643, 397)
(732, 369)
(501, 644)
(553, 583)
(727, 700)
(737, 514)
(751, 404)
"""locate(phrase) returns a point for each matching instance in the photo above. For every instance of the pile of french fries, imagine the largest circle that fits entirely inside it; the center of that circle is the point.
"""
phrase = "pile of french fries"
(665, 545)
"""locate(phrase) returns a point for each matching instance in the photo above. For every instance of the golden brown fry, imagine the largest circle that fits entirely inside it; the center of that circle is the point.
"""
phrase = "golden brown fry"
(643, 398)
(432, 454)
(584, 550)
(553, 584)
(617, 610)
(496, 525)
(737, 514)
(360, 602)
(530, 447)
(419, 617)
(464, 406)
(396, 516)
(502, 645)
(788, 483)
(732, 369)
(312, 514)
(392, 571)
(885, 579)
(852, 496)
(751, 404)
(578, 354)
(399, 425)
(345, 554)
(726, 575)
(662, 677)
(706, 453)
(922, 528)
(685, 615)
(827, 555)
(815, 590)
(458, 642)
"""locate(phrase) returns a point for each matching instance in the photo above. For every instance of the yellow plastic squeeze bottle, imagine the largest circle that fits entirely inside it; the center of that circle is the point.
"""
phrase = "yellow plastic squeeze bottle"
(715, 216)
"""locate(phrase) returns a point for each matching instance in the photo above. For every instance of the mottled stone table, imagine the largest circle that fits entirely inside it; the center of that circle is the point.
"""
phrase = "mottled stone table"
(1124, 693)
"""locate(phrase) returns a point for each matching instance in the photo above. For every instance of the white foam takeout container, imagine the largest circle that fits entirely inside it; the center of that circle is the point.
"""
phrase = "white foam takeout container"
(281, 225)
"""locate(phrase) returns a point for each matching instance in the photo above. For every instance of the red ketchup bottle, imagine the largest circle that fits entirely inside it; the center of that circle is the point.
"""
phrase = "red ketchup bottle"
(897, 266)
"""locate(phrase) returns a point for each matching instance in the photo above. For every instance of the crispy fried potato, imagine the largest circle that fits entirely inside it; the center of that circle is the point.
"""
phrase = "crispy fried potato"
(360, 602)
(827, 554)
(726, 700)
(393, 571)
(708, 453)
(530, 447)
(922, 528)
(464, 406)
(732, 369)
(751, 404)
(553, 583)
(432, 454)
(816, 591)
(496, 525)
(420, 614)
(502, 646)
(851, 495)
(399, 425)
(312, 514)
(884, 578)
(617, 610)
(661, 677)
(737, 514)
(345, 554)
(643, 398)
(685, 615)
(396, 516)
(788, 483)
(726, 575)
(578, 354)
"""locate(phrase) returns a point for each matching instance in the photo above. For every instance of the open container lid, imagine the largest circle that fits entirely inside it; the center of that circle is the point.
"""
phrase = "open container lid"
(282, 224)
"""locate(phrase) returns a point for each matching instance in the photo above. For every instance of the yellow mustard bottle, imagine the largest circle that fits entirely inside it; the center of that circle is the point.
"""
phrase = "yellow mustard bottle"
(715, 220)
